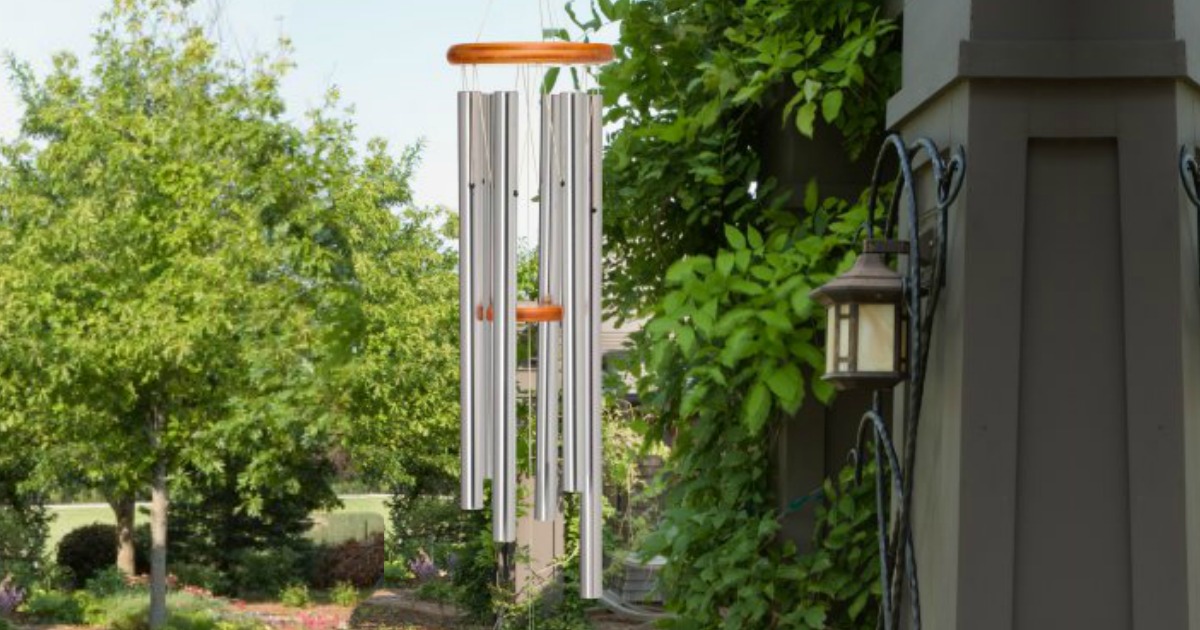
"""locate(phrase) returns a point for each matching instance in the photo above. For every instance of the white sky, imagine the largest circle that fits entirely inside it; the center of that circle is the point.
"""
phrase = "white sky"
(386, 56)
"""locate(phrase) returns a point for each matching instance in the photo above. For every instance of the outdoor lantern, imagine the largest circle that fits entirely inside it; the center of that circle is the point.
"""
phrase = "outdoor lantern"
(866, 339)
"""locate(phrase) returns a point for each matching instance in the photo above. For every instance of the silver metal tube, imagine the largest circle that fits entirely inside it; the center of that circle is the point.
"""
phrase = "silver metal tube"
(545, 492)
(567, 200)
(504, 478)
(470, 471)
(591, 522)
(581, 204)
(481, 166)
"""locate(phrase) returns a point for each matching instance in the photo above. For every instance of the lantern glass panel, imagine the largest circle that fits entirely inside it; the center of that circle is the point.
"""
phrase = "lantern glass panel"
(843, 355)
(876, 338)
(831, 339)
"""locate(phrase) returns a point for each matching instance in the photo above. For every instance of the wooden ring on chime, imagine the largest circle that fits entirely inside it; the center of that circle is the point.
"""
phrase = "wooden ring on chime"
(515, 53)
(531, 312)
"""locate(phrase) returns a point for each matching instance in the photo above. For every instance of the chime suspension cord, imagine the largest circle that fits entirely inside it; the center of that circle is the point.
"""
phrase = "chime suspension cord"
(487, 9)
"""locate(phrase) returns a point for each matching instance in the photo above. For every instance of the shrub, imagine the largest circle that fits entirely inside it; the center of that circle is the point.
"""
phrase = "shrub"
(24, 523)
(295, 596)
(475, 574)
(265, 572)
(210, 526)
(437, 591)
(359, 563)
(192, 620)
(131, 611)
(54, 607)
(344, 594)
(87, 550)
(107, 581)
(200, 575)
(396, 572)
(426, 523)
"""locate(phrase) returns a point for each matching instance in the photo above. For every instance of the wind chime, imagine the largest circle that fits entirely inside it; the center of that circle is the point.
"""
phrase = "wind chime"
(567, 313)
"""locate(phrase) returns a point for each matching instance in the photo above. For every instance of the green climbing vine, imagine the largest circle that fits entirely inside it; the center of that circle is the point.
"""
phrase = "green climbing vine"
(702, 244)
(730, 354)
(696, 88)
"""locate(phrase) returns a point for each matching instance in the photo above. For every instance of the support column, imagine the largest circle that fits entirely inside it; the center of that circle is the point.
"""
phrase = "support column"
(1058, 469)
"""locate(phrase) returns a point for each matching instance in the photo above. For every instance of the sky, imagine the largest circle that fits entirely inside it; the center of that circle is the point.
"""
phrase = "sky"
(387, 58)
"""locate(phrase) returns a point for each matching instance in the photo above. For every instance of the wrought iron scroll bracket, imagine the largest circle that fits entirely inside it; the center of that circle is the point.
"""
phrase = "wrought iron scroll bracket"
(1189, 172)
(894, 468)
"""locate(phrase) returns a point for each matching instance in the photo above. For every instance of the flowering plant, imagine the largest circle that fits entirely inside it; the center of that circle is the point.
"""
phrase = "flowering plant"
(11, 596)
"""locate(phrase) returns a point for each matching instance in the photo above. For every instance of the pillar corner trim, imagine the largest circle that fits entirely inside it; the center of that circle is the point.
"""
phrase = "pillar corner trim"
(1051, 60)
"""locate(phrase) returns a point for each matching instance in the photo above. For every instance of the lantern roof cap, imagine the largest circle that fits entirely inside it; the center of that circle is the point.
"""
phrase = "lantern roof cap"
(869, 280)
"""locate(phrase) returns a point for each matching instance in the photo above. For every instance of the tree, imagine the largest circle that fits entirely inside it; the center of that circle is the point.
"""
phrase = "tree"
(178, 261)
(401, 391)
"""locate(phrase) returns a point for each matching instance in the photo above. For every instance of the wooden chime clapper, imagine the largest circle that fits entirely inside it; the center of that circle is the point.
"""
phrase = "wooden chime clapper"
(568, 307)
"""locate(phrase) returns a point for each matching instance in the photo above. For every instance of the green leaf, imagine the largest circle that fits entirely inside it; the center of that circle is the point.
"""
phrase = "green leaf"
(550, 79)
(754, 237)
(775, 319)
(805, 117)
(787, 383)
(724, 262)
(735, 238)
(756, 407)
(693, 398)
(831, 105)
(738, 346)
(686, 338)
(823, 390)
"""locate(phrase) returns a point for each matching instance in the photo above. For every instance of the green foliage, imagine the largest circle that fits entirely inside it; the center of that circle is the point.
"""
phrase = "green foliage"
(24, 523)
(53, 607)
(198, 289)
(295, 595)
(87, 551)
(202, 576)
(396, 573)
(838, 580)
(345, 594)
(731, 353)
(433, 525)
(474, 577)
(209, 526)
(129, 611)
(107, 581)
(441, 591)
(266, 572)
(696, 89)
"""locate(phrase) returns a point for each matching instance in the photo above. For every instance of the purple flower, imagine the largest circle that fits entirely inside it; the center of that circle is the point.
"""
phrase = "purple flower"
(423, 567)
(11, 596)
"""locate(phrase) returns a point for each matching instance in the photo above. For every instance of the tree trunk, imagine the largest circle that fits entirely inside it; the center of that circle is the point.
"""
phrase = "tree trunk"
(124, 509)
(158, 526)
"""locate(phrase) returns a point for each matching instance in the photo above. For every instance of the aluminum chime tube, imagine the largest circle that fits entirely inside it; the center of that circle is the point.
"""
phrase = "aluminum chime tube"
(591, 520)
(545, 496)
(569, 275)
(504, 212)
(471, 424)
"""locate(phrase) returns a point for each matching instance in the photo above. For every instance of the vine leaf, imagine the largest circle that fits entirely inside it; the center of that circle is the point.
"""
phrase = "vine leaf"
(756, 407)
(787, 383)
(831, 105)
(805, 118)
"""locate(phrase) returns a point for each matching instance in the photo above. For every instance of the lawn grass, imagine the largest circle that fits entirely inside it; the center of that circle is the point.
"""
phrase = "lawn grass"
(359, 515)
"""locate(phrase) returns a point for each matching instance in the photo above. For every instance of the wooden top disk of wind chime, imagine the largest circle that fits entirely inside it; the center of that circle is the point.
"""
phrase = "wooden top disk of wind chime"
(531, 312)
(517, 53)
